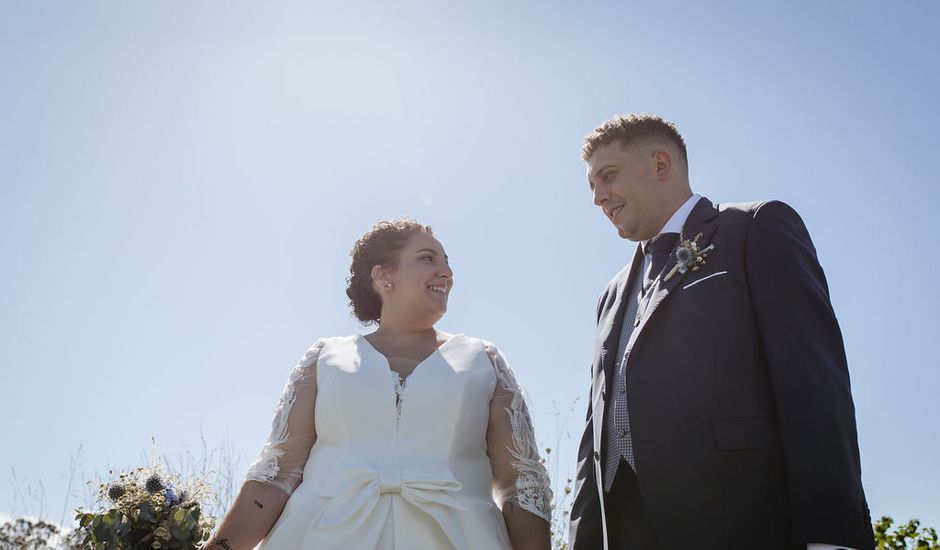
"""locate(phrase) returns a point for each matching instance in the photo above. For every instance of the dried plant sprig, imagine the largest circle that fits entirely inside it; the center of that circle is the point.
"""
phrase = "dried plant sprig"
(689, 257)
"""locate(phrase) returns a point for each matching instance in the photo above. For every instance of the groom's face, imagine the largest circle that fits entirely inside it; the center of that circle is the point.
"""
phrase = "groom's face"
(627, 188)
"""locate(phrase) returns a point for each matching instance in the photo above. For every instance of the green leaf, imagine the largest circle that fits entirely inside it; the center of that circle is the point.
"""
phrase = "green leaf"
(101, 529)
(122, 526)
(85, 519)
(182, 523)
(148, 513)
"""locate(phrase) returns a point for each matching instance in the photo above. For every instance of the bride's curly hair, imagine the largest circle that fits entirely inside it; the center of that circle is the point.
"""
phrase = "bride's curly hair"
(378, 246)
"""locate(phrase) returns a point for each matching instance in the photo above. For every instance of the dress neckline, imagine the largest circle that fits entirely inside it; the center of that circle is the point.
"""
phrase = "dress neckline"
(388, 364)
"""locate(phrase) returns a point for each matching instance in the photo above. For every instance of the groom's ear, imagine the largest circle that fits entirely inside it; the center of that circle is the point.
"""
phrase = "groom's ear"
(662, 164)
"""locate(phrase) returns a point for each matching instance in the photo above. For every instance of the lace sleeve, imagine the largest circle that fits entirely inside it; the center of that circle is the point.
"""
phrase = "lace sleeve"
(519, 474)
(281, 461)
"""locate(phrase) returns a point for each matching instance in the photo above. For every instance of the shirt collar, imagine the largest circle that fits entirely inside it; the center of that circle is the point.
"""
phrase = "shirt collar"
(678, 219)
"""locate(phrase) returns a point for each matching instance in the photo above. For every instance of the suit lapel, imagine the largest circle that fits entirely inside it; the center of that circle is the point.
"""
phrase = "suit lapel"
(610, 338)
(703, 219)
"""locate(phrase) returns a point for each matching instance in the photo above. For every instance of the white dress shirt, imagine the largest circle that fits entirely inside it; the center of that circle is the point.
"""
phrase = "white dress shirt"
(674, 225)
(677, 221)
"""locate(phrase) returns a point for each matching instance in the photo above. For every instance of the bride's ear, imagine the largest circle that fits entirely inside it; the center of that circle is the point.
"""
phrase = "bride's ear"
(381, 278)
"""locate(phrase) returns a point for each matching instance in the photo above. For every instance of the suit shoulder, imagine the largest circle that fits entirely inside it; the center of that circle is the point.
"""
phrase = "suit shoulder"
(752, 208)
(770, 222)
(748, 212)
(613, 282)
(611, 286)
(621, 275)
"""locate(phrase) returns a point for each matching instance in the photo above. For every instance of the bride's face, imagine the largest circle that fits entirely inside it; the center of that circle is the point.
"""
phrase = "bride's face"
(421, 282)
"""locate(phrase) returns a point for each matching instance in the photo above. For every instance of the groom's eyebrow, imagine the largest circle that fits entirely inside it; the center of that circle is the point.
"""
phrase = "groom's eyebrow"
(595, 173)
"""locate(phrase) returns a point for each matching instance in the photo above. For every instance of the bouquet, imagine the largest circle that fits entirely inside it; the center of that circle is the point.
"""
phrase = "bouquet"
(147, 508)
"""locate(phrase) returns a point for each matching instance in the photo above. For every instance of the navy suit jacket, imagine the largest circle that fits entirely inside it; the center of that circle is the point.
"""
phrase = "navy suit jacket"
(738, 394)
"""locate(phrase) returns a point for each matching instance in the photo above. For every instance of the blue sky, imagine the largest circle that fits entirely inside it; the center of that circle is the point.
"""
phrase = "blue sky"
(180, 185)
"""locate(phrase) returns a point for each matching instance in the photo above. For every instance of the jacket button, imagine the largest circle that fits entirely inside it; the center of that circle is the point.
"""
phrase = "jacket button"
(597, 456)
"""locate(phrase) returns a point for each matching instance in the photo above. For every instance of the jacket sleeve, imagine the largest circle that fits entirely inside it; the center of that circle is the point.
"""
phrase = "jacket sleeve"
(809, 374)
(586, 528)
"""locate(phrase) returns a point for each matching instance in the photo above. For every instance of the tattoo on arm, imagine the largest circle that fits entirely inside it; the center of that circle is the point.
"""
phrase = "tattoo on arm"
(223, 543)
(258, 504)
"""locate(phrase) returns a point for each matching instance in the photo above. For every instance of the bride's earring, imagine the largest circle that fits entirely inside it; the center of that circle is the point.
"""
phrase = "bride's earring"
(387, 285)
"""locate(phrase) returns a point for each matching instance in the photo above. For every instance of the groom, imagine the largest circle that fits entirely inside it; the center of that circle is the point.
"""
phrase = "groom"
(721, 415)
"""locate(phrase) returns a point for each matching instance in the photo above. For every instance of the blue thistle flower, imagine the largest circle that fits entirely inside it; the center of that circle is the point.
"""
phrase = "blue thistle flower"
(170, 495)
(154, 484)
(116, 491)
(683, 255)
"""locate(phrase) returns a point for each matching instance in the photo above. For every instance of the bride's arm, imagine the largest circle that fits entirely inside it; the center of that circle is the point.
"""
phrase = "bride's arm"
(278, 470)
(520, 481)
(256, 508)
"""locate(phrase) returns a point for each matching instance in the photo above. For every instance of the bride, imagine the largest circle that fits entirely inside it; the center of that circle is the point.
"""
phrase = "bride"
(407, 438)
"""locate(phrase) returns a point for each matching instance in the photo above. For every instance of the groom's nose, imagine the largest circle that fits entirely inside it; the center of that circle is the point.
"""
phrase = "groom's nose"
(600, 196)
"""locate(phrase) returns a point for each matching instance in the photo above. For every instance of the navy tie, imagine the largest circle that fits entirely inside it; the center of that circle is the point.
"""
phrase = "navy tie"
(660, 249)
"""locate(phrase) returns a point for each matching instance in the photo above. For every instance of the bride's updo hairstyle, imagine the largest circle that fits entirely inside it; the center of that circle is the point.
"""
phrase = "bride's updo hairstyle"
(379, 246)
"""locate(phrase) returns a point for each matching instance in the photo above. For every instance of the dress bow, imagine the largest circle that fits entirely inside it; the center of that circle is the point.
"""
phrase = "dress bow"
(354, 490)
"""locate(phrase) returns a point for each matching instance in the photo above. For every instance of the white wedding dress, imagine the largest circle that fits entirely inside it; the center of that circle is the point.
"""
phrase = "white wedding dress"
(371, 462)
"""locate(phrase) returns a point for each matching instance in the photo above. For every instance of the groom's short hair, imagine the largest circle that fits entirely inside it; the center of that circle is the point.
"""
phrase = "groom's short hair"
(633, 128)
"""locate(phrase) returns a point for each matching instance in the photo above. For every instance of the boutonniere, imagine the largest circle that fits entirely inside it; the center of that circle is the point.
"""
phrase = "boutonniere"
(689, 257)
